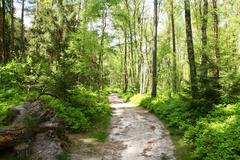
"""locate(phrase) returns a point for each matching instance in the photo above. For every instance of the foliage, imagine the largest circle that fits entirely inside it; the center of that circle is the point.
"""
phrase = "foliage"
(12, 75)
(12, 82)
(136, 99)
(9, 98)
(83, 54)
(82, 111)
(126, 96)
(231, 89)
(99, 129)
(217, 135)
(173, 111)
(62, 156)
(60, 56)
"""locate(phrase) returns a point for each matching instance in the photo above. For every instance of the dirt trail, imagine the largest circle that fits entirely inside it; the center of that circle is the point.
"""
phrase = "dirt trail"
(135, 134)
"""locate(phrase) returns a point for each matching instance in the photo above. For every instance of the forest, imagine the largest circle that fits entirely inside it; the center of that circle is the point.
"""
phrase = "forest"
(178, 59)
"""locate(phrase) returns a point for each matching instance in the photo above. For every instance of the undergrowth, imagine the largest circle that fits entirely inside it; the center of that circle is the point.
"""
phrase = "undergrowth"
(8, 99)
(85, 111)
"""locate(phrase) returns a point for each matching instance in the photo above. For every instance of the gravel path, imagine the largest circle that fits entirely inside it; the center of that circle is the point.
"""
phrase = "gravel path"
(135, 134)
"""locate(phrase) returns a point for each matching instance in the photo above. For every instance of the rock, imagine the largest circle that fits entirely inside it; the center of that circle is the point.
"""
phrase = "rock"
(44, 147)
(34, 124)
(22, 151)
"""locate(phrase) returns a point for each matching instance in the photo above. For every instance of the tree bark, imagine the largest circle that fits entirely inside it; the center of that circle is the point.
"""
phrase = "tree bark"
(190, 49)
(238, 52)
(37, 7)
(22, 27)
(174, 49)
(12, 27)
(147, 62)
(125, 64)
(216, 39)
(3, 33)
(154, 56)
(101, 69)
(11, 136)
(132, 68)
(203, 66)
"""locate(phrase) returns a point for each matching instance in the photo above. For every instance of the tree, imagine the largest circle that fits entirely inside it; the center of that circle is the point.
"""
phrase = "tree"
(216, 39)
(131, 69)
(203, 66)
(101, 54)
(12, 26)
(22, 27)
(125, 64)
(174, 49)
(3, 33)
(190, 49)
(154, 56)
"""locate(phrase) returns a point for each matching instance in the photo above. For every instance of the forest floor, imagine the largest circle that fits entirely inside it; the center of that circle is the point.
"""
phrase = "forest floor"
(134, 134)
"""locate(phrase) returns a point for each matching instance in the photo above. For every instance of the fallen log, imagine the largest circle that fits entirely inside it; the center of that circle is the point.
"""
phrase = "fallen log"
(25, 121)
(11, 136)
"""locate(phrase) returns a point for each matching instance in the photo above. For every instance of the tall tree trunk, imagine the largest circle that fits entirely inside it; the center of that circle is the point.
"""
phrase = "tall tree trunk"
(132, 68)
(22, 27)
(174, 49)
(12, 26)
(125, 64)
(238, 52)
(147, 62)
(101, 72)
(216, 39)
(78, 18)
(154, 56)
(136, 56)
(37, 7)
(142, 61)
(191, 57)
(3, 33)
(203, 66)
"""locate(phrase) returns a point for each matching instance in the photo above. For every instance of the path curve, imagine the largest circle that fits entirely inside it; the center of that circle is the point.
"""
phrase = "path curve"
(136, 134)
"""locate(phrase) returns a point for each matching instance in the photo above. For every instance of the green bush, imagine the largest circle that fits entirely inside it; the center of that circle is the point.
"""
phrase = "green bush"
(9, 98)
(217, 135)
(82, 111)
(89, 103)
(136, 99)
(174, 112)
(127, 96)
(12, 75)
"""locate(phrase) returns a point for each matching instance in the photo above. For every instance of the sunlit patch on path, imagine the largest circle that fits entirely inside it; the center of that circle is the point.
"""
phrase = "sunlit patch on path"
(135, 134)
(139, 134)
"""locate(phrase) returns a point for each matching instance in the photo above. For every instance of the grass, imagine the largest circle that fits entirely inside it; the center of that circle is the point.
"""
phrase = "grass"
(62, 156)
(182, 150)
(100, 129)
